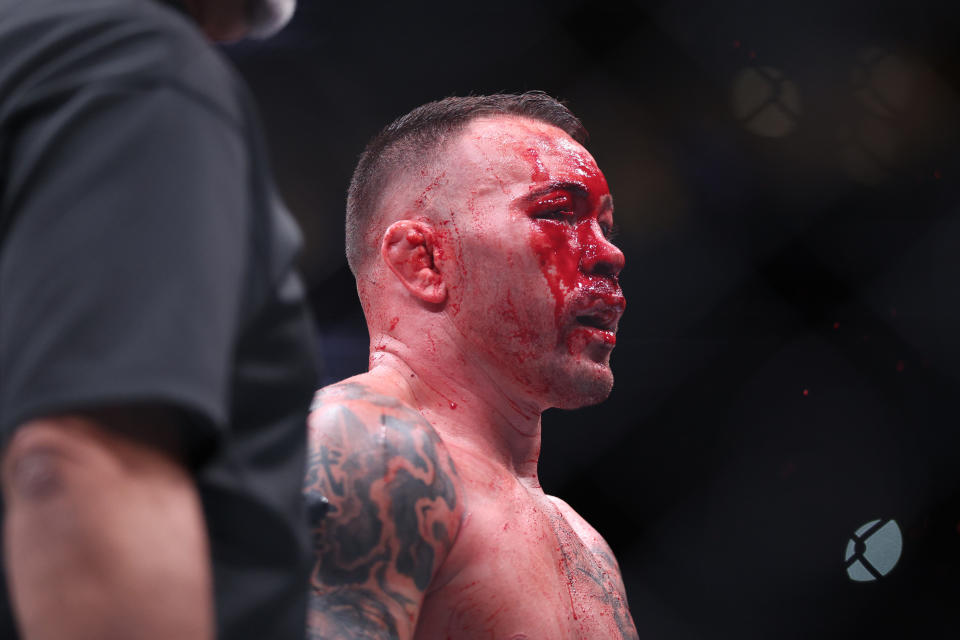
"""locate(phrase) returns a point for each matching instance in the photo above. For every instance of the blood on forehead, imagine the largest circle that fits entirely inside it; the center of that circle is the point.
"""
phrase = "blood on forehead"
(574, 171)
(516, 142)
(547, 154)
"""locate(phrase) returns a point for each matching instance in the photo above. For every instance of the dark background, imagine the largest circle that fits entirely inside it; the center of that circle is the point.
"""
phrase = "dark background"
(787, 182)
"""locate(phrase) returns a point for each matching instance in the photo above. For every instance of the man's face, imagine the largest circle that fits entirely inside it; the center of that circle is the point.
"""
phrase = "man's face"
(534, 285)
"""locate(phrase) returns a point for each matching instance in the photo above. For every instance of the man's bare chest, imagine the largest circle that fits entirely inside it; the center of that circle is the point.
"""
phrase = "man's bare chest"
(520, 570)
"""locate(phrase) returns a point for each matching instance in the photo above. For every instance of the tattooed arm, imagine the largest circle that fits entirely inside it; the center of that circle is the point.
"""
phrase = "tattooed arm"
(393, 513)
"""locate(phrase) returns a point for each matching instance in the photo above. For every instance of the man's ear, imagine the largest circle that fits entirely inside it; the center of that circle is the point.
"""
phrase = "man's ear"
(408, 249)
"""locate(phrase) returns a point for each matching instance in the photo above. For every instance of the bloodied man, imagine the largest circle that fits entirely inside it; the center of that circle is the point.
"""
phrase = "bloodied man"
(478, 231)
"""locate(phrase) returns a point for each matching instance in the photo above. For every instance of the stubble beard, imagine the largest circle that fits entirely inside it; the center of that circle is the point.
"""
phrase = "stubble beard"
(583, 386)
(564, 382)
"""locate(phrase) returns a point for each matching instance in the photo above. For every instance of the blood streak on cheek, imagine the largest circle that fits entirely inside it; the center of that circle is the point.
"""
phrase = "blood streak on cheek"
(563, 248)
(525, 338)
(555, 244)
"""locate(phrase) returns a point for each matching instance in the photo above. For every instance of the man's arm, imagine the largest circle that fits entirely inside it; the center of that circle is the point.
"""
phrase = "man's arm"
(394, 511)
(122, 271)
(104, 535)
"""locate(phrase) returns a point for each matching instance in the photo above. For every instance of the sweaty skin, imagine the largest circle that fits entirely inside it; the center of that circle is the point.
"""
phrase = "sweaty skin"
(496, 297)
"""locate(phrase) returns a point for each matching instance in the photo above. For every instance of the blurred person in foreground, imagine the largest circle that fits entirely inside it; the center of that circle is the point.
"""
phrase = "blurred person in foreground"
(155, 365)
(478, 232)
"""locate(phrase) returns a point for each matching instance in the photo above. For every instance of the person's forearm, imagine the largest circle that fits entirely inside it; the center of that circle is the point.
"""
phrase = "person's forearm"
(103, 538)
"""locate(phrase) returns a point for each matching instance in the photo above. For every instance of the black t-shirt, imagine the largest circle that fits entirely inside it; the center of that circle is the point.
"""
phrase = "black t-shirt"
(146, 257)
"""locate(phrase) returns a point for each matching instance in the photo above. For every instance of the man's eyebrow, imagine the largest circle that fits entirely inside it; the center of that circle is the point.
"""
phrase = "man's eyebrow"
(559, 185)
(575, 188)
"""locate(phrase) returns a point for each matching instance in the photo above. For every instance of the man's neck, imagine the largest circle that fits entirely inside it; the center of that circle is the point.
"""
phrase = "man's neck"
(469, 410)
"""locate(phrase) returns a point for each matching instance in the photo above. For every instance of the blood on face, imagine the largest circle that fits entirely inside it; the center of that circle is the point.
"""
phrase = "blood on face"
(573, 221)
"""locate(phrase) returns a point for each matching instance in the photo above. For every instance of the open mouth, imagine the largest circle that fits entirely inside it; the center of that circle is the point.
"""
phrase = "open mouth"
(595, 326)
(600, 316)
(597, 322)
(599, 311)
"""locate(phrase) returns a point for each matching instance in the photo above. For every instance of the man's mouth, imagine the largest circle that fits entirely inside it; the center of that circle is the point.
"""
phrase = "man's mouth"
(602, 313)
(603, 322)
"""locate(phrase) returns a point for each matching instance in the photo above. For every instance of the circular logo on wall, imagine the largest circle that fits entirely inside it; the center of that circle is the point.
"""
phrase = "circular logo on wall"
(873, 550)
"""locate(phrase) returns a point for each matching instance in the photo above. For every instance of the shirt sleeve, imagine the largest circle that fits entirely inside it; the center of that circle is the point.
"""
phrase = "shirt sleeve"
(121, 273)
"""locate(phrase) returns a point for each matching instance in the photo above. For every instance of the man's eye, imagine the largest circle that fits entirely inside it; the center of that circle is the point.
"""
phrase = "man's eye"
(555, 214)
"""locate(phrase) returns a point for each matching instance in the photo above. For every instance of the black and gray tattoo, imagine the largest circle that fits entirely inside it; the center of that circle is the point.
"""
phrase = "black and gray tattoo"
(391, 517)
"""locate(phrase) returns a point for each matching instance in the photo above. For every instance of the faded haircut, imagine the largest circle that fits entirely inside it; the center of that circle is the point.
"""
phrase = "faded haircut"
(416, 138)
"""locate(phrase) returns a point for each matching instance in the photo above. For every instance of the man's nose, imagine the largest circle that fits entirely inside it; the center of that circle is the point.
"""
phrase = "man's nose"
(599, 256)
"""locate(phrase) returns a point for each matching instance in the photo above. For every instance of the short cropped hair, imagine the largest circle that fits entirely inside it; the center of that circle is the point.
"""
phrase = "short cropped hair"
(416, 138)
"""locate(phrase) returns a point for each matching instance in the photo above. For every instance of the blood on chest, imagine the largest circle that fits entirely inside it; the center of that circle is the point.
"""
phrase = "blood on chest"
(521, 571)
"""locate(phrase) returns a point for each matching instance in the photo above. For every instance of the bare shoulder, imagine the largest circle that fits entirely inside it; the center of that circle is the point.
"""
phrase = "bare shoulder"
(357, 425)
(361, 406)
(604, 571)
(358, 392)
(592, 539)
(581, 527)
(395, 508)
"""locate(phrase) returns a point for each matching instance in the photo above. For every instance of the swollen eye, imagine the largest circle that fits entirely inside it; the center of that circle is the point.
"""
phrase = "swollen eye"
(554, 214)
